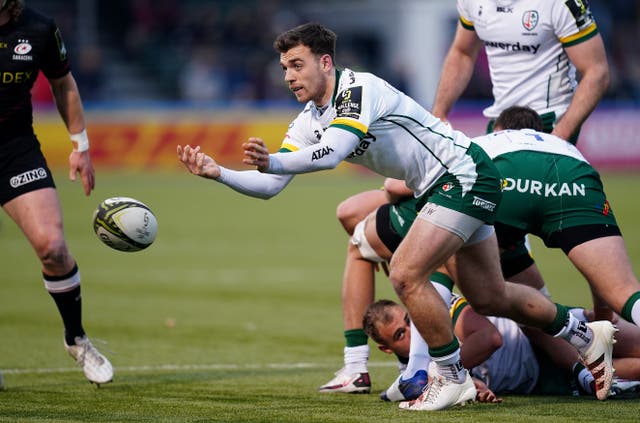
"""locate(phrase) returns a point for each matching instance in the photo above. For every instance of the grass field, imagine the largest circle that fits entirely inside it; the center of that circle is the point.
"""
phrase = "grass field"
(233, 315)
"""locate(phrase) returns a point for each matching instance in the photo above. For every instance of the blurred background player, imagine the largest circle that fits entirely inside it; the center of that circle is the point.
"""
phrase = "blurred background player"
(33, 43)
(533, 50)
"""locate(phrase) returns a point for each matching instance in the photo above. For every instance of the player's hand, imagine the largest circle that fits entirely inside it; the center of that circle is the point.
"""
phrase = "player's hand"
(256, 154)
(197, 162)
(80, 162)
(484, 393)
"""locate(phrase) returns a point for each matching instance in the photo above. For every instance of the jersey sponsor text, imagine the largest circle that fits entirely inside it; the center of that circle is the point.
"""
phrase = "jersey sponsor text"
(320, 153)
(27, 177)
(532, 48)
(483, 204)
(544, 189)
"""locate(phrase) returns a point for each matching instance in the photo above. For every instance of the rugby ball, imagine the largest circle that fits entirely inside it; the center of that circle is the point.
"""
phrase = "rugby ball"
(125, 224)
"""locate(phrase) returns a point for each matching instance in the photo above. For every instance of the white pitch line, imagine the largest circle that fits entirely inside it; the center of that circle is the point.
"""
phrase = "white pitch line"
(186, 367)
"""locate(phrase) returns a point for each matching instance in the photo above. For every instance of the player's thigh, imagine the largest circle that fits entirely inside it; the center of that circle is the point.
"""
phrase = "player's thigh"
(606, 265)
(38, 214)
(424, 248)
(479, 276)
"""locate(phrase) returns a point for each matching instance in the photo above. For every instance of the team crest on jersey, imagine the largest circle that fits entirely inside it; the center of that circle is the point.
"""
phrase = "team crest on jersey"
(349, 103)
(530, 19)
(606, 208)
(447, 187)
(21, 51)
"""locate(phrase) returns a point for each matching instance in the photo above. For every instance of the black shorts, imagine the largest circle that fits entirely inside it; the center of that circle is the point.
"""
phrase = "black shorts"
(23, 168)
(387, 234)
(512, 239)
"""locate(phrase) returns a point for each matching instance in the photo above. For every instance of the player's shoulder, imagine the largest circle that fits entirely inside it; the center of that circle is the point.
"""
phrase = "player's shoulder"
(34, 20)
(350, 78)
(353, 84)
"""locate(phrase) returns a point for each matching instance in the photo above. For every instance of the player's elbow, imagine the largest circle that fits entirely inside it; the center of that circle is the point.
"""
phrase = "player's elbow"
(599, 78)
(330, 163)
(494, 339)
(605, 78)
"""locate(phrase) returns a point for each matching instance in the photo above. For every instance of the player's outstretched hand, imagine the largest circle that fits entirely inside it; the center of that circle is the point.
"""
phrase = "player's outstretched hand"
(197, 162)
(256, 154)
(80, 162)
(484, 393)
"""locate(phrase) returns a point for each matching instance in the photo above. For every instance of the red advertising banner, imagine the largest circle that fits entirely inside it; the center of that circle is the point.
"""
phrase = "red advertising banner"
(143, 140)
(151, 144)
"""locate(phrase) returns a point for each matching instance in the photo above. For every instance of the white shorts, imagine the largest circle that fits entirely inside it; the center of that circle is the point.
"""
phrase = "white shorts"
(470, 229)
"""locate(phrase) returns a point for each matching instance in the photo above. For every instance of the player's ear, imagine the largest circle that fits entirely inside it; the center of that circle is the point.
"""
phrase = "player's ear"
(326, 62)
(385, 349)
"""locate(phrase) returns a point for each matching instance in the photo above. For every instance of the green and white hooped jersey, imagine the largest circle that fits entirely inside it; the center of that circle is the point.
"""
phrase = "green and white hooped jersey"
(398, 137)
(524, 42)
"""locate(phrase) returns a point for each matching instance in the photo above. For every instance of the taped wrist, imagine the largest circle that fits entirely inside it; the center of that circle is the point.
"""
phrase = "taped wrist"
(81, 141)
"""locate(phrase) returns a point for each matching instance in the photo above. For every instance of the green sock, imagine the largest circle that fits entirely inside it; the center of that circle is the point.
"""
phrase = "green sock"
(355, 337)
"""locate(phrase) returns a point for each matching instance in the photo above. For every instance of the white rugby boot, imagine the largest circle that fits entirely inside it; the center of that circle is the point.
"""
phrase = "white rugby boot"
(95, 366)
(442, 393)
(350, 383)
(597, 358)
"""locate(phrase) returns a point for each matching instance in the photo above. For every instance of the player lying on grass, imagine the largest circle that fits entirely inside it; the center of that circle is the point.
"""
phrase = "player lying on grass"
(360, 118)
(567, 210)
(524, 361)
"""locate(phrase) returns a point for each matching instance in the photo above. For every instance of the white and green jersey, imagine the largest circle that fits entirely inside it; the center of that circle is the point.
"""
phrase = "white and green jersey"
(547, 185)
(524, 42)
(369, 122)
(512, 141)
(512, 368)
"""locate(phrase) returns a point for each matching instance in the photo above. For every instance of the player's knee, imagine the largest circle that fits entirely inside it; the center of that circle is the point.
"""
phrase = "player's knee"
(402, 281)
(52, 251)
(486, 305)
(348, 215)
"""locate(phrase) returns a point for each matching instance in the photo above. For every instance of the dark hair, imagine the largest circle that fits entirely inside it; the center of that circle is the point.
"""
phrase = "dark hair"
(318, 38)
(14, 7)
(518, 117)
(377, 313)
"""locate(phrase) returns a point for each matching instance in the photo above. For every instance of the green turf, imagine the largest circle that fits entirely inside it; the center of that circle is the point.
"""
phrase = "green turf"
(233, 314)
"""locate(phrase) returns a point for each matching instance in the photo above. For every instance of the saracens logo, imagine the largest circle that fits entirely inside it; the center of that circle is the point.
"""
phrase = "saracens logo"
(28, 177)
(530, 19)
(21, 50)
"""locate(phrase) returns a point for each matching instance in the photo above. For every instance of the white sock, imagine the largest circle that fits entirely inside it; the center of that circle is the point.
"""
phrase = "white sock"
(356, 358)
(451, 367)
(419, 355)
(635, 313)
(576, 332)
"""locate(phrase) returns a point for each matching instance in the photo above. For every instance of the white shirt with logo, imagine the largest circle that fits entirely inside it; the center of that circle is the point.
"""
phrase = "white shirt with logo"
(398, 138)
(524, 42)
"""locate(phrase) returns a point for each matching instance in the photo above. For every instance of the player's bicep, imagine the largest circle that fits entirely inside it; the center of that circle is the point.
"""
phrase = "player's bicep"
(588, 54)
(466, 41)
